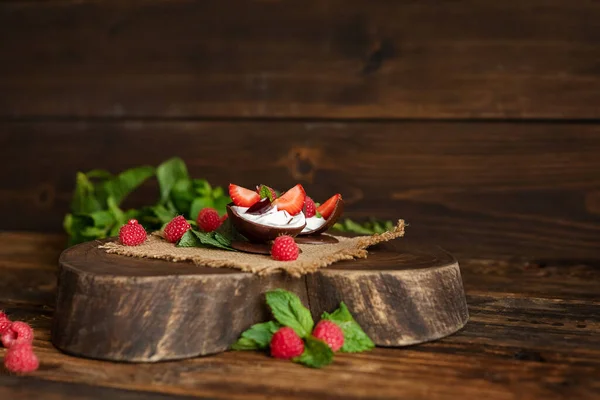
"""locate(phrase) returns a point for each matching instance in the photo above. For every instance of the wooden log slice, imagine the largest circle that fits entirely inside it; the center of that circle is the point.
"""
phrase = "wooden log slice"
(121, 308)
(402, 294)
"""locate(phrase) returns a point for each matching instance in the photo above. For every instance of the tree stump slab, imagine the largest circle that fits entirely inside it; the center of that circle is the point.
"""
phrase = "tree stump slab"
(120, 308)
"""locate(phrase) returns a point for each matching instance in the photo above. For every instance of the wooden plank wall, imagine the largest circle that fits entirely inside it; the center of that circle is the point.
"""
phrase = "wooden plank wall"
(477, 121)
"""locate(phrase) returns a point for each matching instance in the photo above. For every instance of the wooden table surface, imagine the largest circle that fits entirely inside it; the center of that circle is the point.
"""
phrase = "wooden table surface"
(534, 333)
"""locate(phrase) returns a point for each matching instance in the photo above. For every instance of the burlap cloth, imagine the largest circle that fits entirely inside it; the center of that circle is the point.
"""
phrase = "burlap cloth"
(312, 257)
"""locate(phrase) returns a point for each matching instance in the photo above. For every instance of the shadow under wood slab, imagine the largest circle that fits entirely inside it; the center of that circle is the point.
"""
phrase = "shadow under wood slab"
(120, 308)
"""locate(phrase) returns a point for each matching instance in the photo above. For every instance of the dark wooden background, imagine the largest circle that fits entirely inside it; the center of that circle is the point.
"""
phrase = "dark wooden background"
(476, 121)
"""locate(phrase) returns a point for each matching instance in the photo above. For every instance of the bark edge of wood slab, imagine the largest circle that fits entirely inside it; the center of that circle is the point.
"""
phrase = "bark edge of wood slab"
(120, 308)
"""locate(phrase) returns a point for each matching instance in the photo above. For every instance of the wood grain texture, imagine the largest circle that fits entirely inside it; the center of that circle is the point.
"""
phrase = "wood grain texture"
(532, 334)
(477, 189)
(126, 309)
(400, 295)
(121, 308)
(333, 58)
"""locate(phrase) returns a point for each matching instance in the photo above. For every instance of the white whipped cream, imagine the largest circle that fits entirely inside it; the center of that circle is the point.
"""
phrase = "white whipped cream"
(273, 217)
(313, 223)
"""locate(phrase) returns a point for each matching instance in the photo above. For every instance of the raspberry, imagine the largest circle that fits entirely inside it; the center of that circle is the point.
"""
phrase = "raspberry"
(310, 209)
(176, 228)
(208, 219)
(284, 248)
(286, 344)
(18, 332)
(5, 323)
(20, 358)
(132, 233)
(330, 333)
(224, 218)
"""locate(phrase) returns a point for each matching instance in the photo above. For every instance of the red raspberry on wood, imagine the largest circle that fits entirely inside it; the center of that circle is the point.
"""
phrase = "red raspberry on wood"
(330, 333)
(20, 358)
(5, 323)
(132, 233)
(208, 219)
(286, 344)
(176, 229)
(19, 332)
(284, 248)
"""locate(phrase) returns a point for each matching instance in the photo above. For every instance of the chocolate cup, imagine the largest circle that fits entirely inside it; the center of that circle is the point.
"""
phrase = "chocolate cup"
(335, 215)
(259, 233)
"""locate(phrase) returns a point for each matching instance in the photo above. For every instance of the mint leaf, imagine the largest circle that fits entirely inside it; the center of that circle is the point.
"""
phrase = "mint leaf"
(258, 336)
(317, 353)
(356, 228)
(208, 239)
(218, 192)
(228, 231)
(99, 174)
(84, 198)
(265, 193)
(116, 212)
(68, 224)
(182, 194)
(289, 311)
(355, 339)
(126, 182)
(194, 238)
(202, 187)
(220, 204)
(168, 173)
(222, 239)
(245, 344)
(189, 239)
(318, 214)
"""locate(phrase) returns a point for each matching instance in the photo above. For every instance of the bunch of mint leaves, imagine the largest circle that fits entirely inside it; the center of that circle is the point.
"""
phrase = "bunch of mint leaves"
(96, 206)
(288, 310)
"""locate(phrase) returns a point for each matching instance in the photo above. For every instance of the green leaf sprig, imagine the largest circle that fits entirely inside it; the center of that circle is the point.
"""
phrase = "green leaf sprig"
(96, 211)
(288, 310)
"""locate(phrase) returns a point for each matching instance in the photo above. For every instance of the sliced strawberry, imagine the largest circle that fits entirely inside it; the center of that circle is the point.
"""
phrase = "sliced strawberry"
(291, 201)
(242, 197)
(327, 208)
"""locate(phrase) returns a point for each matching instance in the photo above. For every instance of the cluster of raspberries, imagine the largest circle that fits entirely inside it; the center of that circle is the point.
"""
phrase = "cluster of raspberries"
(17, 337)
(134, 234)
(286, 343)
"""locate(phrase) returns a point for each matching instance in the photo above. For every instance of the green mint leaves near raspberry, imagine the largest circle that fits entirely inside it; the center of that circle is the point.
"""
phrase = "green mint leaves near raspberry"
(265, 193)
(355, 339)
(317, 353)
(288, 311)
(98, 195)
(257, 337)
(193, 238)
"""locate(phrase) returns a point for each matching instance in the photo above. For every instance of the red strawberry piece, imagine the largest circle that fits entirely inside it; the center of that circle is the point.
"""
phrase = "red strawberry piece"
(326, 209)
(242, 197)
(273, 194)
(208, 219)
(292, 201)
(20, 358)
(286, 344)
(330, 333)
(132, 233)
(224, 218)
(284, 248)
(176, 229)
(310, 209)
